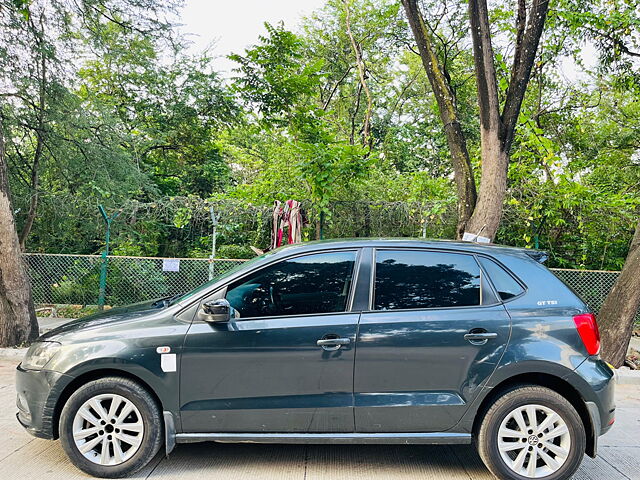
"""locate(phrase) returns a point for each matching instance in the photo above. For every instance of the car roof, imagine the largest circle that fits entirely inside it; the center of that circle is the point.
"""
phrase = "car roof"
(453, 245)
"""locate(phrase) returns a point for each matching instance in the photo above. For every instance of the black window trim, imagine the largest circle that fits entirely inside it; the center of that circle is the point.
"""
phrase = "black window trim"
(372, 291)
(524, 286)
(348, 306)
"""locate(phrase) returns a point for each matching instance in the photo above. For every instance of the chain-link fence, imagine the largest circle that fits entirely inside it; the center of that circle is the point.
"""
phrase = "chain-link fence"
(591, 285)
(74, 279)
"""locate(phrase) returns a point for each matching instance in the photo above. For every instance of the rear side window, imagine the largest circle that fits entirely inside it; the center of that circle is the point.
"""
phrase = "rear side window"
(506, 286)
(419, 279)
(309, 284)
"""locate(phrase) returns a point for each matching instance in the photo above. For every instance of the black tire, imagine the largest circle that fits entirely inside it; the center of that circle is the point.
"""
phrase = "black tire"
(487, 435)
(152, 435)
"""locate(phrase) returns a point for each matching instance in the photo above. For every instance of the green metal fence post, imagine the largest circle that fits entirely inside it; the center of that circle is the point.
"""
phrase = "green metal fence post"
(105, 256)
(214, 222)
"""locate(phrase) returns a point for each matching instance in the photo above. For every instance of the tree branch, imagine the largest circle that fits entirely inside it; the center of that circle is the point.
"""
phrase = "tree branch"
(366, 128)
(526, 55)
(335, 88)
(484, 64)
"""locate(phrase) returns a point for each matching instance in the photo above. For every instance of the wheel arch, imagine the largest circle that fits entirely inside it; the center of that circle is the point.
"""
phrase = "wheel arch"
(87, 377)
(555, 383)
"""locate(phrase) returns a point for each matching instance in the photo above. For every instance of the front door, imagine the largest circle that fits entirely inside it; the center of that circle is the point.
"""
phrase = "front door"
(265, 371)
(433, 336)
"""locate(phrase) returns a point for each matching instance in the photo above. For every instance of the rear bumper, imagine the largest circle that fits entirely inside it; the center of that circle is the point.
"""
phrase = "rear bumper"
(37, 394)
(597, 384)
(601, 405)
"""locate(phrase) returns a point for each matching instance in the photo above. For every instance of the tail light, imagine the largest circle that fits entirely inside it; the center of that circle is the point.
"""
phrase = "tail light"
(589, 333)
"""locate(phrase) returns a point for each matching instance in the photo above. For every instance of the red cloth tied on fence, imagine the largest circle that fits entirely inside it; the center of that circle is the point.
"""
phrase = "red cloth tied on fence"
(286, 216)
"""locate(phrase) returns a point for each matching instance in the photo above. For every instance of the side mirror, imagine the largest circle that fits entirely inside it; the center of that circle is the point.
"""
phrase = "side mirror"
(215, 311)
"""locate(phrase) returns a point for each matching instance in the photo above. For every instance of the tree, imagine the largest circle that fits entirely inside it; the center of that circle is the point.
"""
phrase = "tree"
(447, 106)
(497, 123)
(362, 75)
(278, 81)
(170, 113)
(619, 310)
(613, 27)
(38, 43)
(18, 322)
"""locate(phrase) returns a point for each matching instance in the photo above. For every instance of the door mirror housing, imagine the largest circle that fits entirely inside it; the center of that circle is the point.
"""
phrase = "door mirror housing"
(216, 311)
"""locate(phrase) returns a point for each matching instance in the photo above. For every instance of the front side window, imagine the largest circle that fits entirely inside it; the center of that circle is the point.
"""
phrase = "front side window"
(310, 284)
(420, 279)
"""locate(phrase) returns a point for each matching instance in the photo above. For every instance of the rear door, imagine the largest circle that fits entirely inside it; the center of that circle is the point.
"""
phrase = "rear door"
(432, 336)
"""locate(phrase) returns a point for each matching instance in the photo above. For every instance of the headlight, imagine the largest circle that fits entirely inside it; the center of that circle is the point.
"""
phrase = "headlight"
(39, 355)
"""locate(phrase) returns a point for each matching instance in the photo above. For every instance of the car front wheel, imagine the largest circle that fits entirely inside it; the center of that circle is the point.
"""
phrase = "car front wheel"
(532, 432)
(111, 427)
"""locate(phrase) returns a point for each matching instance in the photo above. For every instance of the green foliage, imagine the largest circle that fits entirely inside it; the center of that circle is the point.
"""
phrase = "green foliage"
(275, 75)
(279, 80)
(123, 115)
(235, 251)
(613, 26)
(172, 128)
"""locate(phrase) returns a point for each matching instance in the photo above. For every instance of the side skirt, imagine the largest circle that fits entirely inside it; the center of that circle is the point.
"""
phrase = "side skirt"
(329, 438)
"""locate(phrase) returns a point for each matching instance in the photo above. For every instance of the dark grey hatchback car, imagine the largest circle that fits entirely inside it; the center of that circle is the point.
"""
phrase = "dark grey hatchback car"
(362, 341)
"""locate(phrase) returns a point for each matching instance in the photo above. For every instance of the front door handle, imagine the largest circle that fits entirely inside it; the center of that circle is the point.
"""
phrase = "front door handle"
(331, 344)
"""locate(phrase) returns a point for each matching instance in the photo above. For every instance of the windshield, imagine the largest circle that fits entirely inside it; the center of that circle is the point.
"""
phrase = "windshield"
(205, 286)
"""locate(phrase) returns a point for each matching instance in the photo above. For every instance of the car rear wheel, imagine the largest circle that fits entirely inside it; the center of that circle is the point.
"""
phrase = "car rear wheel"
(111, 427)
(532, 432)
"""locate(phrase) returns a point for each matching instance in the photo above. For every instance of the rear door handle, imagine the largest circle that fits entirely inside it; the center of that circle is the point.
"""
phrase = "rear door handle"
(480, 336)
(332, 343)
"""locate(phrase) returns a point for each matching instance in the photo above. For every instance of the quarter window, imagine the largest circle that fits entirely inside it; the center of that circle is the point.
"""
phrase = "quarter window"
(419, 279)
(506, 286)
(309, 284)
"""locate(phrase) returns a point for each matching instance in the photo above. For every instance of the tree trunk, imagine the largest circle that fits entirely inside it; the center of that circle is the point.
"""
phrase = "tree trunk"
(463, 173)
(493, 189)
(18, 323)
(493, 181)
(619, 310)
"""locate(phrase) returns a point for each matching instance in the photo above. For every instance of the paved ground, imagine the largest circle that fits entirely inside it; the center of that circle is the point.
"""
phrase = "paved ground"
(24, 457)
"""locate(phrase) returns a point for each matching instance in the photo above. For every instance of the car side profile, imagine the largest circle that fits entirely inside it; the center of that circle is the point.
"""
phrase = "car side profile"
(393, 341)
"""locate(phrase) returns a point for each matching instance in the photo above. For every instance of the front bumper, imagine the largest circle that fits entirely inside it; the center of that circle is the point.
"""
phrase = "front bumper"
(37, 394)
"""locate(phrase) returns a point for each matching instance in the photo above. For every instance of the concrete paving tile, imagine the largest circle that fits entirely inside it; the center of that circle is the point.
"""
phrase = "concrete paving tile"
(626, 460)
(598, 469)
(383, 462)
(11, 442)
(39, 457)
(233, 462)
(626, 431)
(472, 463)
(47, 458)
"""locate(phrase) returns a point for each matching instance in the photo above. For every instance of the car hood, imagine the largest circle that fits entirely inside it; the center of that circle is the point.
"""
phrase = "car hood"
(106, 318)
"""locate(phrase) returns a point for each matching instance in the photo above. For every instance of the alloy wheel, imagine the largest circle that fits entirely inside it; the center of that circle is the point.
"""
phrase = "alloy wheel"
(534, 441)
(108, 429)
